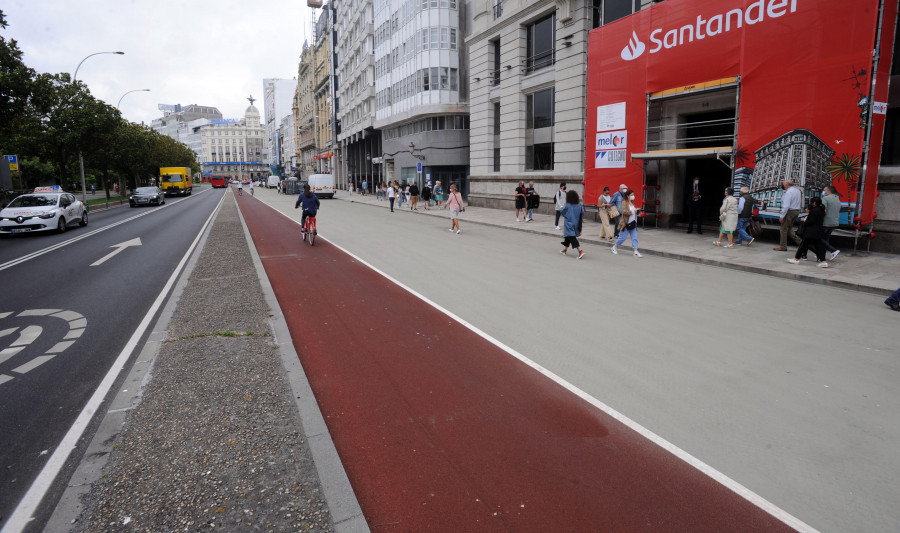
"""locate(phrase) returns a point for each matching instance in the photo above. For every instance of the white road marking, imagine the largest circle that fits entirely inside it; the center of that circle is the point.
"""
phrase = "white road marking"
(26, 337)
(719, 477)
(118, 248)
(24, 511)
(67, 242)
(34, 363)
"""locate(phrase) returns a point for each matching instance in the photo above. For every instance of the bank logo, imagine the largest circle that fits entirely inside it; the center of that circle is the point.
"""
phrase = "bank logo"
(634, 49)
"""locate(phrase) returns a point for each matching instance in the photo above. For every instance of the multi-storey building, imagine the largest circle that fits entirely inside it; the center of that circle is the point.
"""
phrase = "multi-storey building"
(304, 112)
(353, 64)
(278, 97)
(235, 148)
(527, 77)
(421, 103)
(323, 122)
(182, 123)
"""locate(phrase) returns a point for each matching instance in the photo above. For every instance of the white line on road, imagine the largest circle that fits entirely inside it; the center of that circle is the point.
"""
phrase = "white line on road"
(719, 477)
(23, 514)
(67, 242)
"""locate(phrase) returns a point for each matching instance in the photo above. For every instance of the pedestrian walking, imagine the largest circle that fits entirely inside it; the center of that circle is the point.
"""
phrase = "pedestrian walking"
(745, 211)
(455, 205)
(811, 232)
(400, 195)
(604, 202)
(252, 189)
(617, 203)
(695, 208)
(790, 210)
(832, 204)
(628, 223)
(728, 217)
(414, 197)
(438, 194)
(426, 194)
(893, 301)
(520, 200)
(559, 200)
(573, 218)
(391, 194)
(93, 189)
(365, 188)
(350, 187)
(531, 201)
(406, 192)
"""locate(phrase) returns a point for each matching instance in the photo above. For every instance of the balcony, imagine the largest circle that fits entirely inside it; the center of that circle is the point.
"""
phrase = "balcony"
(498, 9)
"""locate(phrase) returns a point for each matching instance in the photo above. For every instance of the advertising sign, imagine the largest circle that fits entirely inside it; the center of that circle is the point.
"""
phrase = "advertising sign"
(804, 71)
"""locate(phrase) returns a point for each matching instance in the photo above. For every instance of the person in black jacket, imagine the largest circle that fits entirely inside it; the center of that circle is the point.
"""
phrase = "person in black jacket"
(812, 233)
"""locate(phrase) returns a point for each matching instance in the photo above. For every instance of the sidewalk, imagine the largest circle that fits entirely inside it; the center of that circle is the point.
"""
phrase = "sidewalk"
(875, 273)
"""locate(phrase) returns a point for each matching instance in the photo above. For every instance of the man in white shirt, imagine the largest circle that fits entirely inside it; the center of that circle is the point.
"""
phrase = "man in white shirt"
(790, 208)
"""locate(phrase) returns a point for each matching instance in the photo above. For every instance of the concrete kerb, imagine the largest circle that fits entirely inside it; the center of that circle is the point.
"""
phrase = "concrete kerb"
(342, 503)
(838, 284)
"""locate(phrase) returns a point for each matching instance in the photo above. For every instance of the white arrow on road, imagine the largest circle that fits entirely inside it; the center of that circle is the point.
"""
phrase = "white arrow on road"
(118, 248)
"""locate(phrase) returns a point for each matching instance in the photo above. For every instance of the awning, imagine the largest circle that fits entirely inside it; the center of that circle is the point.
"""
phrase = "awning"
(688, 153)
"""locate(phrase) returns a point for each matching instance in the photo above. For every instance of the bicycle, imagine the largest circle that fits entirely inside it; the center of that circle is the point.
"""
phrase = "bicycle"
(309, 231)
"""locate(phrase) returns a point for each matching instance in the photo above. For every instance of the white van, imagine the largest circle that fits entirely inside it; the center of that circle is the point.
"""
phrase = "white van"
(272, 182)
(322, 185)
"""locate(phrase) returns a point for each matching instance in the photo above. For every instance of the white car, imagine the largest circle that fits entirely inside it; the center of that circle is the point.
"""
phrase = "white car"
(42, 211)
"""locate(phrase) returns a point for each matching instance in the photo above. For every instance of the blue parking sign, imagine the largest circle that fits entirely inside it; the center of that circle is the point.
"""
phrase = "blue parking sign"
(419, 166)
(15, 159)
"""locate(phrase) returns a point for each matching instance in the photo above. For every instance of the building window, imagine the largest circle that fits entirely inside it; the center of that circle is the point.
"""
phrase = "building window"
(496, 119)
(540, 44)
(606, 11)
(498, 9)
(495, 74)
(539, 130)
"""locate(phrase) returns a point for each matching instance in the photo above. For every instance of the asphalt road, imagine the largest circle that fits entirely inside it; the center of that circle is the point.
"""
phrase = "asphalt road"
(787, 388)
(102, 299)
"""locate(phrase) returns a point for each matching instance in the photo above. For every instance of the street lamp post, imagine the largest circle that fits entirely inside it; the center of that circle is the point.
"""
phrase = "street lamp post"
(80, 157)
(129, 92)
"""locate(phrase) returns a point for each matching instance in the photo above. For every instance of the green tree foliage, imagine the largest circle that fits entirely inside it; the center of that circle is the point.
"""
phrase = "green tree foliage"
(47, 119)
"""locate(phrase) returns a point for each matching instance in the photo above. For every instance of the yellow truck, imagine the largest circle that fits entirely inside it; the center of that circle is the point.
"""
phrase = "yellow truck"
(176, 181)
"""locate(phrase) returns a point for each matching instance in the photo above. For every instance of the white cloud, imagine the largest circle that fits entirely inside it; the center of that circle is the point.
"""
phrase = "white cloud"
(203, 52)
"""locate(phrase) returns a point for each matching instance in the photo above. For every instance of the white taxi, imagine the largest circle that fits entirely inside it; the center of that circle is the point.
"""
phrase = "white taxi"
(46, 209)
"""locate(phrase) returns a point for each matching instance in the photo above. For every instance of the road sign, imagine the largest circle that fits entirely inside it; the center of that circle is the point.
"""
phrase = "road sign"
(13, 161)
(419, 167)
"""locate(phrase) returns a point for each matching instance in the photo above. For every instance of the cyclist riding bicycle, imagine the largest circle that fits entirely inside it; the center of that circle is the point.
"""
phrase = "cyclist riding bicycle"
(240, 188)
(310, 203)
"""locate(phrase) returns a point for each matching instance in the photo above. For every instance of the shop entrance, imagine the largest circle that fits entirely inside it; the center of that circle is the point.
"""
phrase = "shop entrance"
(691, 131)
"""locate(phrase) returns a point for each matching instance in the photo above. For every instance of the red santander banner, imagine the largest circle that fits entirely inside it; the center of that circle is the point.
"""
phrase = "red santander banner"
(803, 69)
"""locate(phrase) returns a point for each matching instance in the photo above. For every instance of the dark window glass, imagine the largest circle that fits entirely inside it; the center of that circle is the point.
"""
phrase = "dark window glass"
(540, 43)
(616, 9)
(543, 108)
(496, 118)
(543, 157)
(495, 75)
(497, 159)
(890, 154)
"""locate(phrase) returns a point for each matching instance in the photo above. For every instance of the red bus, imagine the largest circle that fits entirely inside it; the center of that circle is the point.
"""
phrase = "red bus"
(218, 181)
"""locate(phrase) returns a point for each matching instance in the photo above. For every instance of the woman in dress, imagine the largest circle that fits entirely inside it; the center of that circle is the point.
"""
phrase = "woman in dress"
(603, 205)
(728, 215)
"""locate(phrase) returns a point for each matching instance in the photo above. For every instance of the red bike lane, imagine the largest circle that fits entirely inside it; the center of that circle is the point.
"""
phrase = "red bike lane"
(441, 430)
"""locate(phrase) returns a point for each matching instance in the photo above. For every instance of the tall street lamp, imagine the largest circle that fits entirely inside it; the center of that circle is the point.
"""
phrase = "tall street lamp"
(129, 92)
(80, 157)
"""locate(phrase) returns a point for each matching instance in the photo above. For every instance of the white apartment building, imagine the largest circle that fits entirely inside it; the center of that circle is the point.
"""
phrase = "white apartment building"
(278, 98)
(353, 63)
(234, 148)
(528, 77)
(421, 105)
(287, 133)
(182, 123)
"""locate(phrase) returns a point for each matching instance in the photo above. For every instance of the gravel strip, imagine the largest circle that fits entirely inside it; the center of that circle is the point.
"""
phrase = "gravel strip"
(215, 441)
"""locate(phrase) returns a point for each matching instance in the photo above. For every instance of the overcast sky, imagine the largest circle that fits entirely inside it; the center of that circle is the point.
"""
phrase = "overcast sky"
(206, 52)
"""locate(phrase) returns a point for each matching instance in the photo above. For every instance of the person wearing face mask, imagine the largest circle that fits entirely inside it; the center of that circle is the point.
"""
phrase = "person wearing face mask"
(617, 203)
(695, 208)
(628, 223)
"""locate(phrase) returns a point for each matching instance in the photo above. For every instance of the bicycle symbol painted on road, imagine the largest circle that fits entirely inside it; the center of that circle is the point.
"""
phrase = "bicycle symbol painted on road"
(20, 338)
